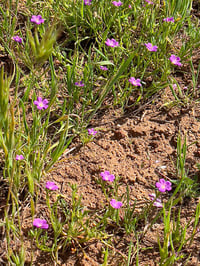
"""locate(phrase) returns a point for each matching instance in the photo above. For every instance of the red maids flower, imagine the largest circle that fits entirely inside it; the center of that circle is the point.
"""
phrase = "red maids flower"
(103, 68)
(169, 19)
(41, 104)
(115, 3)
(39, 223)
(19, 157)
(135, 82)
(79, 84)
(106, 176)
(92, 132)
(51, 185)
(175, 60)
(116, 204)
(157, 202)
(17, 39)
(111, 43)
(37, 19)
(150, 47)
(149, 2)
(163, 185)
(87, 2)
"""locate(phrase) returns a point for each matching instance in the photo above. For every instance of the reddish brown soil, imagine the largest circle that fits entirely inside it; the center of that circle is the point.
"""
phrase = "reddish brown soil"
(134, 147)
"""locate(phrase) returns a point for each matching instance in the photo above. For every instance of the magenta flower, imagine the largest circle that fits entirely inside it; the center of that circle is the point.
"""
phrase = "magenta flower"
(116, 204)
(168, 19)
(106, 176)
(129, 6)
(149, 2)
(17, 39)
(87, 2)
(174, 86)
(163, 185)
(115, 3)
(41, 104)
(51, 185)
(103, 68)
(112, 43)
(152, 196)
(157, 202)
(135, 82)
(19, 157)
(92, 132)
(175, 60)
(37, 19)
(150, 47)
(79, 84)
(39, 223)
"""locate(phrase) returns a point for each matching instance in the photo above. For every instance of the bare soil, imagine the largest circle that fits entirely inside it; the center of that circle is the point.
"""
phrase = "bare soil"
(139, 147)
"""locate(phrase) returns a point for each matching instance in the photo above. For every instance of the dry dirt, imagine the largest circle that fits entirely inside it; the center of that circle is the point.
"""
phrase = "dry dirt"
(139, 147)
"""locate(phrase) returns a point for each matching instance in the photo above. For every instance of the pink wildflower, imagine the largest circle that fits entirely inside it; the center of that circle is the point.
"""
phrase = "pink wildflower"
(106, 176)
(135, 82)
(37, 19)
(115, 3)
(51, 185)
(92, 132)
(163, 185)
(111, 43)
(175, 60)
(116, 204)
(39, 223)
(150, 47)
(17, 39)
(19, 157)
(41, 104)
